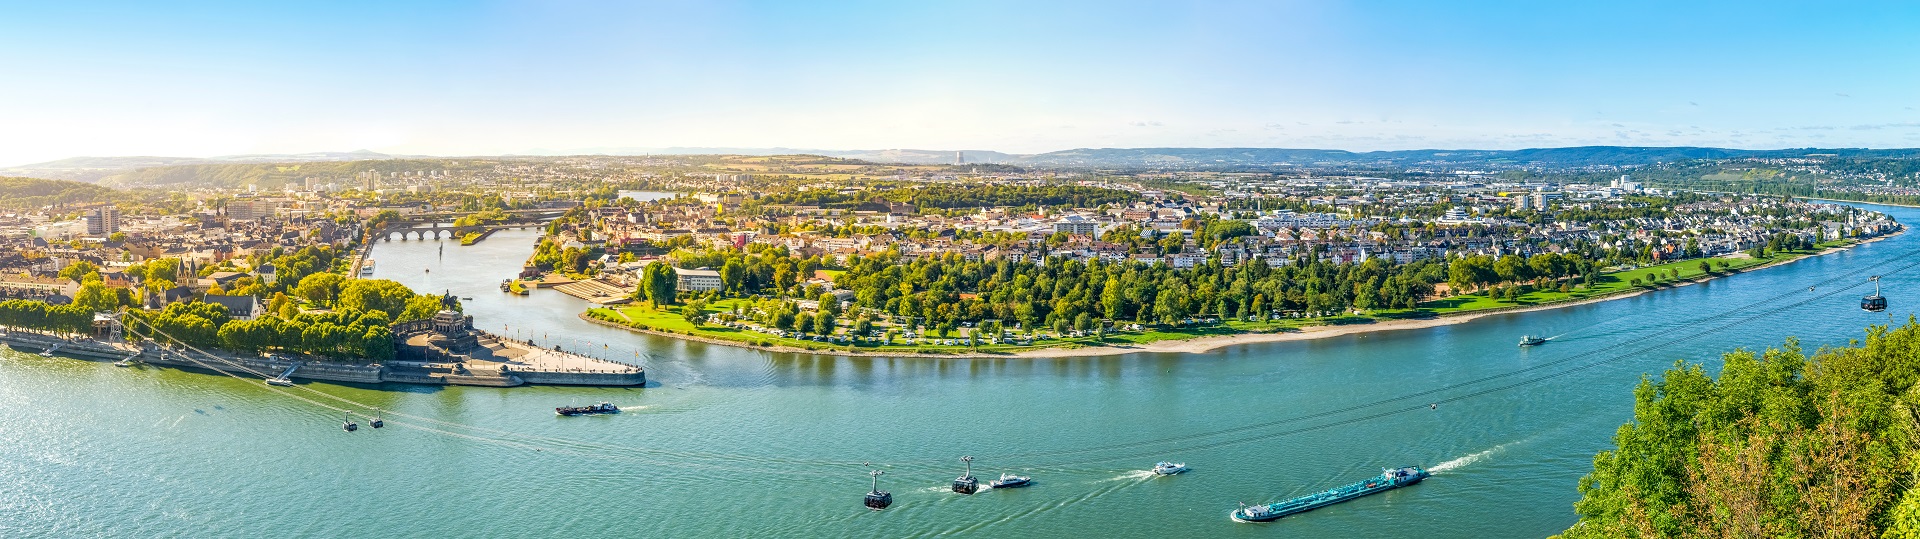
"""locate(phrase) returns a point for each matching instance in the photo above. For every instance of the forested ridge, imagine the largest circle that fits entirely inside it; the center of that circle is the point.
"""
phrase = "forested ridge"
(35, 192)
(1778, 444)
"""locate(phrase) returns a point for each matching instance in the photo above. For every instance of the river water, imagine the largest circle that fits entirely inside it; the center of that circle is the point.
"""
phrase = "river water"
(734, 442)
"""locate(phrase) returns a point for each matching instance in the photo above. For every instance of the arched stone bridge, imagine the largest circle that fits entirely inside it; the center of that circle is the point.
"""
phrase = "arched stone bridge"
(435, 226)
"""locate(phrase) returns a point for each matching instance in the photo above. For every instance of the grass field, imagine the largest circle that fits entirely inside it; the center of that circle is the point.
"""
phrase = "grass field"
(645, 316)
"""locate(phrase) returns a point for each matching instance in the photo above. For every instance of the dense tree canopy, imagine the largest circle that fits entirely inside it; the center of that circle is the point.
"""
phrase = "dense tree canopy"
(1779, 444)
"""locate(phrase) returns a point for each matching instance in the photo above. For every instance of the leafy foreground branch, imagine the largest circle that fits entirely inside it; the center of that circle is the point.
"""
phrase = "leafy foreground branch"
(1778, 445)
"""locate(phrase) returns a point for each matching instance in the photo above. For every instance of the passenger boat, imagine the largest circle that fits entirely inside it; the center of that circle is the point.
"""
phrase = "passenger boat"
(366, 268)
(1529, 340)
(602, 408)
(1169, 468)
(1008, 480)
(1388, 479)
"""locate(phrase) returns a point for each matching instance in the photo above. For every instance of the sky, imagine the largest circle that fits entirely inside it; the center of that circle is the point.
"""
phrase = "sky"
(488, 78)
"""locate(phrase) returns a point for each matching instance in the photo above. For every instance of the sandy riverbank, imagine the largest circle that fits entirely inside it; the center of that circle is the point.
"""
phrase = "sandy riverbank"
(1207, 344)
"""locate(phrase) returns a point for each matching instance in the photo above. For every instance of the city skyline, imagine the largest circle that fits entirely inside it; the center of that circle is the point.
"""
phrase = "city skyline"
(519, 78)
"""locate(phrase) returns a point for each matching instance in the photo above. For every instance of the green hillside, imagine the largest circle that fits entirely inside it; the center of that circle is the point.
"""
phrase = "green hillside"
(1779, 444)
(35, 192)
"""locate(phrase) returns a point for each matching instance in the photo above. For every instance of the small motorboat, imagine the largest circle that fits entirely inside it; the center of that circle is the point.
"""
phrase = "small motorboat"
(602, 408)
(1529, 340)
(1169, 468)
(1008, 480)
(282, 382)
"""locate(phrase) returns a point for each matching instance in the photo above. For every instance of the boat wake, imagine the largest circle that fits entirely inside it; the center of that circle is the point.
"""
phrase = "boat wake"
(1134, 475)
(1469, 459)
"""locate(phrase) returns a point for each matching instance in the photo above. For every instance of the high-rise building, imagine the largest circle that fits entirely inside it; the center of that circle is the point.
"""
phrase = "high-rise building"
(105, 220)
(959, 158)
(249, 209)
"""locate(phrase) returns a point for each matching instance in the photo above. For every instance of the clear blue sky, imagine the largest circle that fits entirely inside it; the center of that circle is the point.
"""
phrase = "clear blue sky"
(464, 78)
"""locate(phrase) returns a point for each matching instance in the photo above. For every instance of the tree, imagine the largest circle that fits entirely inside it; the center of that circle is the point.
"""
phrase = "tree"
(659, 281)
(95, 297)
(823, 323)
(1112, 300)
(320, 288)
(733, 276)
(164, 268)
(1777, 444)
(830, 304)
(694, 311)
(79, 270)
(383, 295)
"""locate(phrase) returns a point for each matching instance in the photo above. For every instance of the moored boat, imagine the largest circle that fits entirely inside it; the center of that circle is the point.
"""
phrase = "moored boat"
(1387, 480)
(602, 408)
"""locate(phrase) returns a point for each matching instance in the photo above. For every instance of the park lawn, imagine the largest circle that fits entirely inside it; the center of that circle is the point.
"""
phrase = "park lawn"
(646, 316)
(1609, 284)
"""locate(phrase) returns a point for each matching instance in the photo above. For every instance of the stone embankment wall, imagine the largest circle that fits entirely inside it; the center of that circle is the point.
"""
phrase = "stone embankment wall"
(635, 378)
(86, 348)
(81, 347)
(94, 349)
(330, 372)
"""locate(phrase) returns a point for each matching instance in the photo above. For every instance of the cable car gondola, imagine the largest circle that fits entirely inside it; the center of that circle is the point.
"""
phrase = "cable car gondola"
(377, 422)
(966, 483)
(878, 499)
(350, 426)
(1876, 302)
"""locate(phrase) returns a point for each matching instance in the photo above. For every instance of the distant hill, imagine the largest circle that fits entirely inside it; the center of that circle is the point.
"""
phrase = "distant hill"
(35, 192)
(273, 170)
(1570, 157)
(1243, 158)
(897, 156)
(269, 175)
(90, 169)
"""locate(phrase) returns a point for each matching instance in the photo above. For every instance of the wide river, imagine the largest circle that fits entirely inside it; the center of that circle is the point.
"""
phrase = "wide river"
(728, 442)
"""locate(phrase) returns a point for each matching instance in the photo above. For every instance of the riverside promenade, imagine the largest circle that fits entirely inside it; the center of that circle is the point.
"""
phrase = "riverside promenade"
(505, 363)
